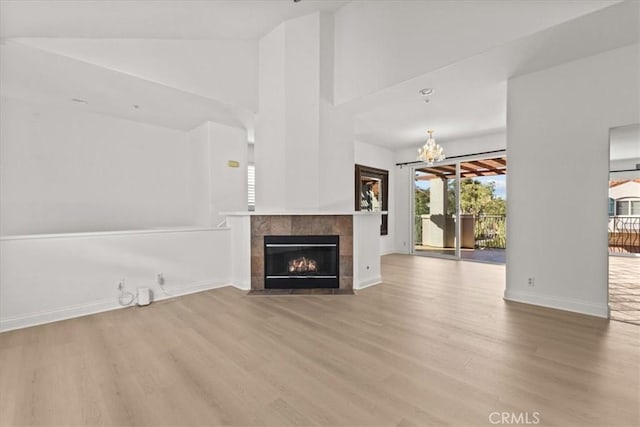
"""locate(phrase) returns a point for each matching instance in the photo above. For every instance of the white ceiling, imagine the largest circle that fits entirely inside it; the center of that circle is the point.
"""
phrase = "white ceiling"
(470, 95)
(119, 53)
(145, 19)
(223, 70)
(381, 43)
(38, 76)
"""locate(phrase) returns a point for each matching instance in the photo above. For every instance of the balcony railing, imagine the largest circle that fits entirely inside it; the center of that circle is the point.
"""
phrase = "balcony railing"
(490, 231)
(478, 231)
(624, 234)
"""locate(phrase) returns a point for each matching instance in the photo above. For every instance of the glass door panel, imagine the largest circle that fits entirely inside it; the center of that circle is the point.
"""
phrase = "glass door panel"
(435, 206)
(474, 187)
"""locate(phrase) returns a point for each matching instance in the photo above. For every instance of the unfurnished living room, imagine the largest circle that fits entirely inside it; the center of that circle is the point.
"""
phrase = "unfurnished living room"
(319, 213)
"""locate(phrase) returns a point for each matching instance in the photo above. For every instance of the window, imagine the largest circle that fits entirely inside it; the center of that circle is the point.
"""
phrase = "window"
(622, 207)
(612, 207)
(628, 207)
(251, 186)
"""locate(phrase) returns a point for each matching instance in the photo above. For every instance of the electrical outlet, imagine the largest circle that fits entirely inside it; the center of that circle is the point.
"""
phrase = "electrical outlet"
(160, 279)
(531, 281)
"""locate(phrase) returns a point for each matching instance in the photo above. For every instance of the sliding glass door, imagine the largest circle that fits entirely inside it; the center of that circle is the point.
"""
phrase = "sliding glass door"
(435, 212)
(459, 209)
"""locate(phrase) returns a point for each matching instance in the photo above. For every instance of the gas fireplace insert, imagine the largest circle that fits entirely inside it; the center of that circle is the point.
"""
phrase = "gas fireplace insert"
(294, 262)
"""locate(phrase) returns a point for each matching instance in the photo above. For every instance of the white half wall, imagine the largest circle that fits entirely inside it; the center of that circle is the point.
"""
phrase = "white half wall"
(381, 158)
(49, 278)
(558, 123)
(70, 171)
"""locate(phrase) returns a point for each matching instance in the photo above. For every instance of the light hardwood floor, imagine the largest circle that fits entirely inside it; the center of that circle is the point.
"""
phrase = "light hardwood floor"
(434, 345)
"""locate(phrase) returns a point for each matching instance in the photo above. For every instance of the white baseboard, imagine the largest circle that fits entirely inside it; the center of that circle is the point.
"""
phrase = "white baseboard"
(566, 304)
(368, 283)
(241, 286)
(99, 306)
(399, 251)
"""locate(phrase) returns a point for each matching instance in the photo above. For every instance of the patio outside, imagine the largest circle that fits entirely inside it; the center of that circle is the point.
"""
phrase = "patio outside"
(482, 206)
(624, 288)
(624, 250)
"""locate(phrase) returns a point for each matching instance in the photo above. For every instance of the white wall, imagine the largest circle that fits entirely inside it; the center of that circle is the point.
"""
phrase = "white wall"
(270, 130)
(240, 250)
(228, 185)
(461, 146)
(366, 259)
(68, 171)
(403, 180)
(558, 125)
(44, 279)
(303, 147)
(381, 158)
(628, 189)
(624, 147)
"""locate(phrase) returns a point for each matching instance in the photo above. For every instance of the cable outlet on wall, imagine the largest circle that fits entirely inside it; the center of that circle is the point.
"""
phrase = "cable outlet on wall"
(160, 279)
(531, 281)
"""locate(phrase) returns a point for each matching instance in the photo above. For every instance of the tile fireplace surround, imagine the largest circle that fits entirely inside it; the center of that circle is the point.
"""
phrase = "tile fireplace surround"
(301, 225)
(359, 234)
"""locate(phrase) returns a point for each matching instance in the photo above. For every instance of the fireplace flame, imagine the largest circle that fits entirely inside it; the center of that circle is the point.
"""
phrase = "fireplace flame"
(303, 265)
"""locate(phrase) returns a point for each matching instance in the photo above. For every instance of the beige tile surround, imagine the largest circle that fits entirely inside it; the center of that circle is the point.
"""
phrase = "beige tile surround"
(299, 225)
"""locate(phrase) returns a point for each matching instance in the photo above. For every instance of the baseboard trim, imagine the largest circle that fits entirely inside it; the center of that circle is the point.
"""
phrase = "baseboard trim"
(559, 303)
(368, 283)
(94, 307)
(242, 286)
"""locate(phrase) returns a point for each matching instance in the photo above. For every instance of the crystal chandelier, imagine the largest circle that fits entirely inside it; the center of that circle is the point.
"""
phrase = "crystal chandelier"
(430, 152)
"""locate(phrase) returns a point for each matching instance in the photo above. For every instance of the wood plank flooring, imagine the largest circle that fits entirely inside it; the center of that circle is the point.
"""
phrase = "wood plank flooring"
(435, 344)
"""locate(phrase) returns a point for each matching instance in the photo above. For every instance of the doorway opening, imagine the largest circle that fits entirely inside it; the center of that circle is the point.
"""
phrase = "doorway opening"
(624, 224)
(459, 209)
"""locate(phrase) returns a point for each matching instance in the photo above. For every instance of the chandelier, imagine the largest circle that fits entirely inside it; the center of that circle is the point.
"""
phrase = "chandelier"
(430, 152)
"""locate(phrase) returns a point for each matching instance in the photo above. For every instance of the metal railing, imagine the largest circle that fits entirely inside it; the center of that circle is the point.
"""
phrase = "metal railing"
(624, 234)
(490, 231)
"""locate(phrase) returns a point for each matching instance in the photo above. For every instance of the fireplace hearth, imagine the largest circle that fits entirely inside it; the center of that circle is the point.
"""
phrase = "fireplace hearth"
(301, 262)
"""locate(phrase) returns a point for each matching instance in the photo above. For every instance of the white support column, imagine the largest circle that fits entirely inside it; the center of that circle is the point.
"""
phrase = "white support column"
(303, 144)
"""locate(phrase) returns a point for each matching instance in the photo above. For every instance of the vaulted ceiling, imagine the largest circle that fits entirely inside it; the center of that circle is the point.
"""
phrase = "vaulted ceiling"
(183, 62)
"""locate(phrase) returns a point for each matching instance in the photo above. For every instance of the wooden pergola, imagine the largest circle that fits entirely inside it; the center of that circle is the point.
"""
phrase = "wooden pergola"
(470, 169)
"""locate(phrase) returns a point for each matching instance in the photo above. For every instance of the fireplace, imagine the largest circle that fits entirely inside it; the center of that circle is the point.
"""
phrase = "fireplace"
(294, 262)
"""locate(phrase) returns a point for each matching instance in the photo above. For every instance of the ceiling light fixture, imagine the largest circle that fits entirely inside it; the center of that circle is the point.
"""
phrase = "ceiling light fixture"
(430, 152)
(426, 91)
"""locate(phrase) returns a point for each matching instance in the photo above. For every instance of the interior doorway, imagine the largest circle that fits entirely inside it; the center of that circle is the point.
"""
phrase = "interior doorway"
(624, 224)
(459, 209)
